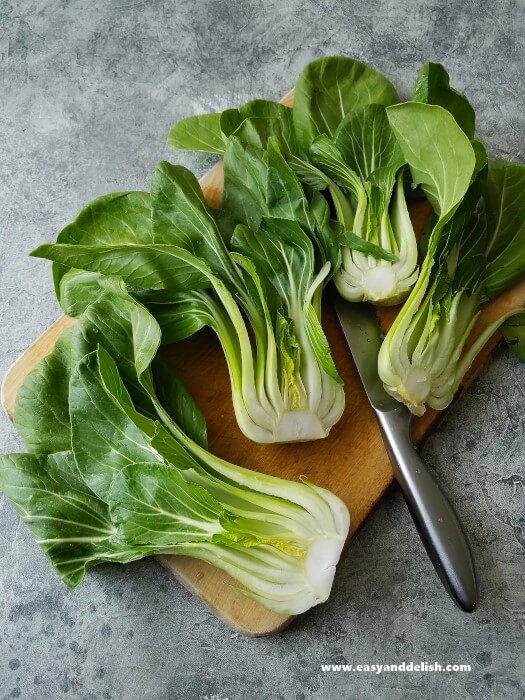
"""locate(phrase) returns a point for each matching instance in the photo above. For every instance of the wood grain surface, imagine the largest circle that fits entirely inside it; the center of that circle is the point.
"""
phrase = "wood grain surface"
(351, 461)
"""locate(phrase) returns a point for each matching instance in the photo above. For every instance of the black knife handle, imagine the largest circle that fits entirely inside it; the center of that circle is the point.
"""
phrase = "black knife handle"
(435, 519)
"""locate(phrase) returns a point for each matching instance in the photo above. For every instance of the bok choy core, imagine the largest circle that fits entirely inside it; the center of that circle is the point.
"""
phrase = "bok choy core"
(476, 249)
(260, 294)
(119, 470)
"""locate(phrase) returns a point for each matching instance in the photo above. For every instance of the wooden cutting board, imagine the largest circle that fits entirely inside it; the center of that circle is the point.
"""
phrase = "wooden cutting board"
(351, 461)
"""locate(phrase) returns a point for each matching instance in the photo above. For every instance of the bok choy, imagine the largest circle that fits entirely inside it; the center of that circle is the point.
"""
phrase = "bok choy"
(260, 293)
(118, 469)
(475, 250)
(339, 113)
(362, 168)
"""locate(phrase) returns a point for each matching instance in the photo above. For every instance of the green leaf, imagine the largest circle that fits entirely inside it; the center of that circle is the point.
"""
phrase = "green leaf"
(162, 442)
(201, 132)
(123, 328)
(505, 196)
(70, 523)
(80, 288)
(183, 315)
(103, 436)
(154, 505)
(230, 120)
(468, 274)
(433, 87)
(328, 89)
(147, 266)
(283, 254)
(245, 177)
(285, 196)
(253, 124)
(329, 159)
(41, 413)
(368, 145)
(325, 238)
(460, 254)
(439, 154)
(355, 242)
(320, 345)
(331, 173)
(259, 120)
(308, 174)
(180, 406)
(272, 189)
(126, 330)
(122, 217)
(182, 217)
(480, 153)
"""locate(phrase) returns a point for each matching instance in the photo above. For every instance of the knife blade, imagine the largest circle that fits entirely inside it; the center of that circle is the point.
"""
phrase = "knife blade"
(433, 515)
(364, 337)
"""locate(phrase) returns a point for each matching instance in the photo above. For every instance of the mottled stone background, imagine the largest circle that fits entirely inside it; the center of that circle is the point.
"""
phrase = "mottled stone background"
(88, 91)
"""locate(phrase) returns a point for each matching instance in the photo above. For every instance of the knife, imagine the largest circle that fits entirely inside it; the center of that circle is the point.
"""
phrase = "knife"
(433, 515)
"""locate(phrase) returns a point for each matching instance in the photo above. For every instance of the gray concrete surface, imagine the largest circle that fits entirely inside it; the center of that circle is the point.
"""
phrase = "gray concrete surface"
(88, 91)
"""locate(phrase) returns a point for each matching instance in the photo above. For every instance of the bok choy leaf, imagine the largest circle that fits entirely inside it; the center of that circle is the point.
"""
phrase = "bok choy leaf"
(433, 87)
(253, 123)
(328, 89)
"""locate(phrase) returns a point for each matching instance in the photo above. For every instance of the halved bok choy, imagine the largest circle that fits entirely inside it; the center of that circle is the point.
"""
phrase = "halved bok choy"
(476, 250)
(118, 469)
(259, 292)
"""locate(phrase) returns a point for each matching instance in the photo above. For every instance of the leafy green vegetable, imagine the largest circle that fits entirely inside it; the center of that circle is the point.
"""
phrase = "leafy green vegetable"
(132, 482)
(505, 194)
(328, 89)
(201, 132)
(102, 220)
(347, 148)
(284, 384)
(472, 257)
(253, 124)
(259, 183)
(364, 165)
(441, 161)
(67, 520)
(433, 87)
